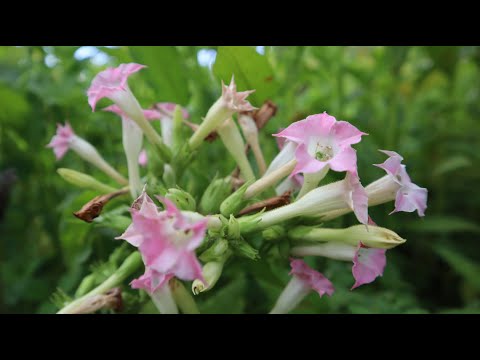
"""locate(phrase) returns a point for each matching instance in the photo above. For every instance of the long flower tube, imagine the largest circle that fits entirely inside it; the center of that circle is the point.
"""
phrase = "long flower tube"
(66, 139)
(112, 83)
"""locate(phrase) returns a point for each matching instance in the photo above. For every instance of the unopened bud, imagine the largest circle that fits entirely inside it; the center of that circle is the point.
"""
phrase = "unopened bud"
(84, 181)
(216, 192)
(182, 199)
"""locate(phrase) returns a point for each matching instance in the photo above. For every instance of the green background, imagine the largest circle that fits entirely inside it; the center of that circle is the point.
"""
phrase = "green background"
(423, 102)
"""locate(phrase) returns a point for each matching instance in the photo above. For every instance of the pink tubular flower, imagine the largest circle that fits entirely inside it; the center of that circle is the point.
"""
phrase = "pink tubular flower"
(311, 278)
(409, 196)
(167, 239)
(304, 279)
(142, 158)
(323, 141)
(61, 141)
(368, 264)
(111, 81)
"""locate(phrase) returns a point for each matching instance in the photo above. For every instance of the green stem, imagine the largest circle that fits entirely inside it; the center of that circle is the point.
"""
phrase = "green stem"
(129, 266)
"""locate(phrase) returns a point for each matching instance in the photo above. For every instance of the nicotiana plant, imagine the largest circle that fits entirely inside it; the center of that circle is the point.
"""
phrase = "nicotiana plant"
(175, 240)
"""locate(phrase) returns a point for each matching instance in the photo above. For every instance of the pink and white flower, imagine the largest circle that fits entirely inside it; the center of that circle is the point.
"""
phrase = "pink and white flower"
(111, 83)
(61, 140)
(166, 111)
(304, 279)
(408, 196)
(66, 139)
(166, 239)
(236, 100)
(323, 141)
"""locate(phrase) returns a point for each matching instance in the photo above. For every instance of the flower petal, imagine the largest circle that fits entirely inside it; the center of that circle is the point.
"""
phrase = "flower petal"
(306, 163)
(410, 198)
(314, 279)
(368, 264)
(344, 160)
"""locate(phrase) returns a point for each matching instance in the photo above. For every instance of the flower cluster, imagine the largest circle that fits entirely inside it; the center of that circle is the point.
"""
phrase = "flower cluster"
(183, 241)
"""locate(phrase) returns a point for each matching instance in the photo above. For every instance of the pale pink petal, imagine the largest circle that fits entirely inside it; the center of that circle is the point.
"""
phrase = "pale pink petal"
(313, 125)
(346, 134)
(368, 264)
(151, 281)
(371, 222)
(305, 163)
(311, 277)
(152, 114)
(410, 198)
(236, 100)
(357, 197)
(187, 267)
(160, 256)
(132, 236)
(344, 160)
(61, 140)
(142, 158)
(109, 81)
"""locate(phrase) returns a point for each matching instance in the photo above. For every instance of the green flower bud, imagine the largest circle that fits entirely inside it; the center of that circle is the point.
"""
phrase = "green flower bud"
(375, 236)
(242, 248)
(274, 233)
(233, 228)
(215, 252)
(216, 192)
(182, 199)
(211, 273)
(84, 181)
(235, 202)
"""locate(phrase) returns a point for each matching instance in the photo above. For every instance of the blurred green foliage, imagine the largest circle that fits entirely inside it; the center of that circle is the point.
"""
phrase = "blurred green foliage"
(423, 102)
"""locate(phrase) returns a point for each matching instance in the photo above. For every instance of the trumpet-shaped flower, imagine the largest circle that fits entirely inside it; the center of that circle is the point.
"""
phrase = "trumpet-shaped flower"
(166, 239)
(61, 140)
(66, 139)
(323, 141)
(110, 82)
(409, 196)
(304, 279)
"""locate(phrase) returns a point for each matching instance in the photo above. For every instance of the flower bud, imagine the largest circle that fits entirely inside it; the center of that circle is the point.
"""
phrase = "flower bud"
(216, 192)
(182, 199)
(274, 233)
(215, 252)
(84, 181)
(235, 202)
(374, 237)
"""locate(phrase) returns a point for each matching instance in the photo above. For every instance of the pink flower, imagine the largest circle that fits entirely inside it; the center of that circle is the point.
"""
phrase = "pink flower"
(166, 109)
(236, 100)
(151, 281)
(167, 239)
(303, 281)
(142, 158)
(111, 81)
(323, 141)
(311, 278)
(292, 183)
(61, 141)
(409, 196)
(368, 264)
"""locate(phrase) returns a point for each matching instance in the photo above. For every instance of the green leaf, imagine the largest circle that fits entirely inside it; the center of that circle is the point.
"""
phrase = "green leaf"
(444, 224)
(165, 72)
(452, 164)
(461, 264)
(251, 70)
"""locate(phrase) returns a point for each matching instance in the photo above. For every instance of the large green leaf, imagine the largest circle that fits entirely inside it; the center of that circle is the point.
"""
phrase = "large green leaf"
(251, 70)
(165, 72)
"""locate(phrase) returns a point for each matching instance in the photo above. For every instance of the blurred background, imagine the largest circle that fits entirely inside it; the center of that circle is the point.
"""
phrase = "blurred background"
(423, 102)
